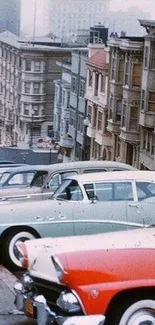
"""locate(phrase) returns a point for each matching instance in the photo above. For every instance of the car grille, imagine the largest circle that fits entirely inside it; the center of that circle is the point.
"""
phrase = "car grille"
(51, 291)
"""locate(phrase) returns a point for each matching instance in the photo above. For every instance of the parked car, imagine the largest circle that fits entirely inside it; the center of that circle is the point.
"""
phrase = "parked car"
(83, 204)
(109, 274)
(40, 181)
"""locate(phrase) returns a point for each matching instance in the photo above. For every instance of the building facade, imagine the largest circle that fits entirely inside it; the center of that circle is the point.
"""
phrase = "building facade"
(125, 77)
(27, 74)
(10, 13)
(62, 109)
(97, 137)
(147, 107)
(68, 16)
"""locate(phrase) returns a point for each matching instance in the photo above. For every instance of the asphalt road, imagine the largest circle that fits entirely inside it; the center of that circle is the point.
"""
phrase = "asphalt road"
(8, 313)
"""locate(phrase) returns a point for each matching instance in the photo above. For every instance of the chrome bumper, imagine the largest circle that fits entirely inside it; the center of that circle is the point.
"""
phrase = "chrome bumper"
(44, 316)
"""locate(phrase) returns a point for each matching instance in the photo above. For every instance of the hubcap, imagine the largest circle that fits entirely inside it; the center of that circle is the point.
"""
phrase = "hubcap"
(142, 317)
(15, 249)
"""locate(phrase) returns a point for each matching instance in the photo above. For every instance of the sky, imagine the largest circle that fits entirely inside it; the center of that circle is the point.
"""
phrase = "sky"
(42, 21)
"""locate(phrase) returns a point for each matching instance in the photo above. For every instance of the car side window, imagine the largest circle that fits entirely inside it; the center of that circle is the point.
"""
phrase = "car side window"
(123, 191)
(94, 170)
(114, 191)
(21, 179)
(145, 190)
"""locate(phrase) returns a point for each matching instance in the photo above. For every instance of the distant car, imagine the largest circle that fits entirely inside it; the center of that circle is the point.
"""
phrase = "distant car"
(83, 204)
(109, 274)
(41, 181)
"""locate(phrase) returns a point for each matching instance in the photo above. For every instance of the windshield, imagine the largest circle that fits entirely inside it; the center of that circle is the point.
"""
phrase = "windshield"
(68, 191)
(4, 177)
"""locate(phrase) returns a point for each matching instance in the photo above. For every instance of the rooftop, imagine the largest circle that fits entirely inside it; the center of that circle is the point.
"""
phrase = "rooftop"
(98, 59)
(38, 44)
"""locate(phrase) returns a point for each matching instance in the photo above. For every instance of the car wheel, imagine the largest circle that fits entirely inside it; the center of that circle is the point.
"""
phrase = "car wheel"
(10, 253)
(139, 313)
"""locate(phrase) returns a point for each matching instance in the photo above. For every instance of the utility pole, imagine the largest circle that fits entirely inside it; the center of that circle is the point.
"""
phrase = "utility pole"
(77, 107)
(34, 20)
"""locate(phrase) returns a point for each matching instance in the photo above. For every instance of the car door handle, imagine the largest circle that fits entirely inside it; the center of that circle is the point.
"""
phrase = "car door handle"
(134, 205)
(62, 217)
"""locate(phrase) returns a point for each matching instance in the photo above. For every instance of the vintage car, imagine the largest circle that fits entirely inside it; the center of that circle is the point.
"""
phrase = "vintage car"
(40, 181)
(83, 204)
(110, 274)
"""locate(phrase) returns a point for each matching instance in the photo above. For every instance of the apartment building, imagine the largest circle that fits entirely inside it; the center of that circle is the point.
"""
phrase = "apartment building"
(27, 74)
(70, 106)
(98, 139)
(147, 107)
(68, 16)
(125, 78)
(62, 110)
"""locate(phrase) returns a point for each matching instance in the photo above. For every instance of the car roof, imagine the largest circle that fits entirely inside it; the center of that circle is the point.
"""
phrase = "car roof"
(25, 168)
(112, 176)
(72, 165)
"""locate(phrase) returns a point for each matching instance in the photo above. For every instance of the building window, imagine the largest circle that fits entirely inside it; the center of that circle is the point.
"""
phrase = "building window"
(90, 78)
(96, 84)
(118, 110)
(37, 66)
(72, 116)
(36, 131)
(153, 146)
(82, 88)
(74, 85)
(121, 71)
(151, 101)
(27, 87)
(103, 83)
(136, 76)
(126, 79)
(124, 115)
(63, 97)
(144, 139)
(50, 131)
(35, 109)
(68, 99)
(113, 68)
(36, 88)
(146, 56)
(148, 147)
(133, 118)
(28, 65)
(152, 56)
(66, 126)
(111, 104)
(89, 112)
(99, 121)
(26, 109)
(142, 99)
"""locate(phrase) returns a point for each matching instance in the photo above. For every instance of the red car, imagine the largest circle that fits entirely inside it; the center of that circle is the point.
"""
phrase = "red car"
(111, 274)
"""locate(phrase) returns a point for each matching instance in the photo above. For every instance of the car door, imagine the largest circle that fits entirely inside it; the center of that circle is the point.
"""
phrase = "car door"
(146, 202)
(107, 213)
(55, 219)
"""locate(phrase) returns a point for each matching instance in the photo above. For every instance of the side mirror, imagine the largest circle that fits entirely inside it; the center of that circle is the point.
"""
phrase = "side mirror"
(94, 199)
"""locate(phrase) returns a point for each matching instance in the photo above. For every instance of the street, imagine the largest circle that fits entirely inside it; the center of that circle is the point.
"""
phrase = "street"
(8, 313)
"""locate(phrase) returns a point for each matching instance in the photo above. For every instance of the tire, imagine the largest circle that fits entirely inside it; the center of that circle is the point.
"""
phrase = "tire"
(9, 257)
(141, 312)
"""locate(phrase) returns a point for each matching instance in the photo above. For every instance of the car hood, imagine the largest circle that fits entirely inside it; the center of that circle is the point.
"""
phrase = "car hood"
(40, 250)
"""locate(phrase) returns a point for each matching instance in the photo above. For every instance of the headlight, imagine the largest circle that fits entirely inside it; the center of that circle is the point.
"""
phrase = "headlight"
(68, 302)
(58, 267)
(27, 282)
